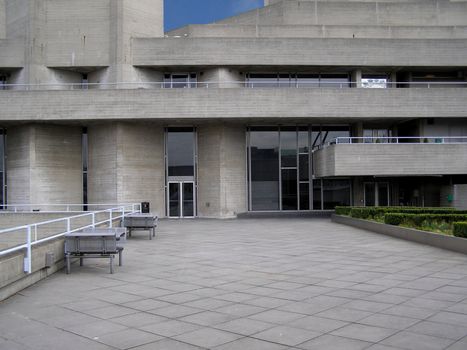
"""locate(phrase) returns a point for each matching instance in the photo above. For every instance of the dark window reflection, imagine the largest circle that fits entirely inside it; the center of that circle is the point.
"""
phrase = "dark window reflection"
(188, 200)
(288, 147)
(336, 193)
(264, 148)
(174, 199)
(289, 189)
(370, 199)
(304, 196)
(317, 195)
(180, 151)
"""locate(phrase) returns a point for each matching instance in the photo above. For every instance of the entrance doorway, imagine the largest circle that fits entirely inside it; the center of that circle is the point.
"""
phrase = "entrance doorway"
(181, 203)
(181, 156)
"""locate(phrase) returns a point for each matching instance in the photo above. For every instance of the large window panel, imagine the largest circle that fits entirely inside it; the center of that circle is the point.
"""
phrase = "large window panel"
(180, 151)
(264, 153)
(288, 138)
(336, 192)
(289, 189)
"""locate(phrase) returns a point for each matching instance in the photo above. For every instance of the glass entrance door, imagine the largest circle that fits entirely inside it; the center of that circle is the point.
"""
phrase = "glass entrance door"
(181, 199)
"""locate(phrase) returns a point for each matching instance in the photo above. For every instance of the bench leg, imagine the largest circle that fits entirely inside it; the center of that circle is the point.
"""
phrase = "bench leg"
(150, 234)
(111, 264)
(154, 232)
(68, 264)
(120, 261)
(81, 261)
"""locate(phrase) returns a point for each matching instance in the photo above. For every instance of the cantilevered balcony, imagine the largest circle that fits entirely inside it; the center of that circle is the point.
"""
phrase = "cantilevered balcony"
(293, 105)
(392, 157)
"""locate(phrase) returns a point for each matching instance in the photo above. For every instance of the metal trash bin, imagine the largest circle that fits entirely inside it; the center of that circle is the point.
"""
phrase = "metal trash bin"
(145, 207)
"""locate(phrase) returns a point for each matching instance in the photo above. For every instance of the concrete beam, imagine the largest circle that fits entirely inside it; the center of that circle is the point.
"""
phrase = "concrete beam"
(409, 159)
(299, 51)
(232, 104)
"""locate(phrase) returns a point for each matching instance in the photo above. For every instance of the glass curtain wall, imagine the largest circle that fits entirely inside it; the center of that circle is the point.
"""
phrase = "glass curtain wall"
(280, 169)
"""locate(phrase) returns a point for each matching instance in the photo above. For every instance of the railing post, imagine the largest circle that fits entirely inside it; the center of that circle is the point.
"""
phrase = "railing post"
(35, 232)
(68, 207)
(68, 225)
(110, 218)
(93, 215)
(27, 259)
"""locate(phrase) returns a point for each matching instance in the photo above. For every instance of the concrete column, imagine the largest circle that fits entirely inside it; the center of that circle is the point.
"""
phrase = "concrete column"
(222, 77)
(126, 164)
(221, 170)
(357, 78)
(44, 164)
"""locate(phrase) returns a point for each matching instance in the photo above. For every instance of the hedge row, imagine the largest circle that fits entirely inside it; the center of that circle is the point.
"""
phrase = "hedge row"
(460, 229)
(417, 220)
(379, 212)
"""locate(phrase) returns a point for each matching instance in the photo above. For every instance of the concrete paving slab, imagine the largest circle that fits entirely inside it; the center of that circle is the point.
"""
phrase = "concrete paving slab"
(308, 283)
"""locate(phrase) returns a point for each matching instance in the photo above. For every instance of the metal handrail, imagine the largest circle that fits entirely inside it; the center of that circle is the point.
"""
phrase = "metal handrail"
(30, 228)
(68, 207)
(397, 140)
(214, 84)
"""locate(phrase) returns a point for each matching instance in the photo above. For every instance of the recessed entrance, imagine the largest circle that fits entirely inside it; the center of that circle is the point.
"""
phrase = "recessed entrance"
(181, 155)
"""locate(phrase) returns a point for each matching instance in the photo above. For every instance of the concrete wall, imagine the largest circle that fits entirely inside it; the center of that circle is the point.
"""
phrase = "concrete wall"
(44, 164)
(320, 31)
(84, 35)
(325, 105)
(426, 13)
(126, 164)
(391, 159)
(221, 170)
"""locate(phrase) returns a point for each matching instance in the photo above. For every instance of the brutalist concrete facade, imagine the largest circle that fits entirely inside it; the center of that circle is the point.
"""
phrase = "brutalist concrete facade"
(92, 92)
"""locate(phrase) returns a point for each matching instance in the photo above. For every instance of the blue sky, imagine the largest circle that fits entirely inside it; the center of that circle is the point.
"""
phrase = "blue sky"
(179, 13)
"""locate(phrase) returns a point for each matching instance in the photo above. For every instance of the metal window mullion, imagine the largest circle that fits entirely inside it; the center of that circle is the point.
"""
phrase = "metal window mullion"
(298, 165)
(248, 175)
(280, 169)
(195, 171)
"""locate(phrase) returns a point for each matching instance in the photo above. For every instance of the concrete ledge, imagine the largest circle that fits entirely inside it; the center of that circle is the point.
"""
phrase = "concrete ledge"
(12, 277)
(285, 214)
(455, 244)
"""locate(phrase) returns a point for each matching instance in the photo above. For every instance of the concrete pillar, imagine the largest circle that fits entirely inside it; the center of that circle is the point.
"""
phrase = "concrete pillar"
(357, 78)
(2, 19)
(126, 164)
(221, 170)
(44, 164)
(222, 78)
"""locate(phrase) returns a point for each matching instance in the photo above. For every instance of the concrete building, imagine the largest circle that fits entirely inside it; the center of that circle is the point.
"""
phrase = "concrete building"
(297, 106)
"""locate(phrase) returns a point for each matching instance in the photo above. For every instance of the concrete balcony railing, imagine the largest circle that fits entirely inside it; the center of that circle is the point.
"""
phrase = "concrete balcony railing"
(240, 104)
(393, 157)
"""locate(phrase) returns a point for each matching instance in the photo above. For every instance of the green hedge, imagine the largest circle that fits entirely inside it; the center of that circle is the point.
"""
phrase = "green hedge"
(343, 210)
(417, 220)
(378, 213)
(460, 229)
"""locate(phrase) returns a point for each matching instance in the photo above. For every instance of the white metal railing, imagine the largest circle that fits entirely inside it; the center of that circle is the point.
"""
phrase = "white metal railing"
(31, 230)
(395, 140)
(226, 84)
(58, 208)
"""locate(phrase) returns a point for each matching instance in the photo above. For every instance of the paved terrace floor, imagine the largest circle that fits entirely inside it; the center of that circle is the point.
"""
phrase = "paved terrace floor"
(250, 284)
